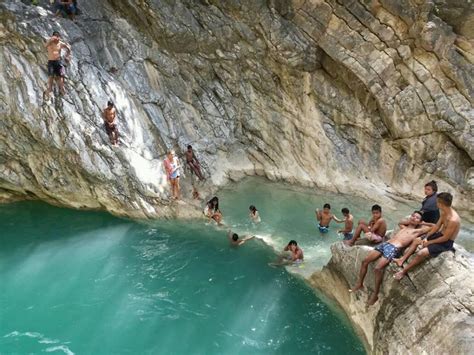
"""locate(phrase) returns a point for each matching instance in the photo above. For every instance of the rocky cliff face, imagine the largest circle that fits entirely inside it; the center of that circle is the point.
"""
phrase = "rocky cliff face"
(358, 96)
(428, 313)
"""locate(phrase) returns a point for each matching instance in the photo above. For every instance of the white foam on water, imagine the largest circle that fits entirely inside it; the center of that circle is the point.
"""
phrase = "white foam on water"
(62, 348)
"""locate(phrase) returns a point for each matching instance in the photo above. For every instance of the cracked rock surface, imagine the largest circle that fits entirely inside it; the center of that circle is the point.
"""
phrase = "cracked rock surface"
(363, 97)
(431, 312)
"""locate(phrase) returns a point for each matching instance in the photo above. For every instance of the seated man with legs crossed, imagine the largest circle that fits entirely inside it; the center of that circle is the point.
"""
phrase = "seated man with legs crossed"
(385, 252)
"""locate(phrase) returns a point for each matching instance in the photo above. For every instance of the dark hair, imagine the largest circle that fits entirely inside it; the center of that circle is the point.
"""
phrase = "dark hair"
(211, 203)
(376, 208)
(345, 210)
(433, 185)
(253, 208)
(189, 147)
(110, 103)
(56, 33)
(327, 205)
(292, 242)
(235, 236)
(446, 198)
(419, 212)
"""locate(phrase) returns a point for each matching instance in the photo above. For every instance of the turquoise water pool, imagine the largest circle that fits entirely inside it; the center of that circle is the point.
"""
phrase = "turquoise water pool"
(86, 282)
(89, 283)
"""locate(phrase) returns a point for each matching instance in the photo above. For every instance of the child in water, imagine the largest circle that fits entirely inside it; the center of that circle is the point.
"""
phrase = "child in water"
(348, 224)
(324, 217)
(212, 211)
(254, 215)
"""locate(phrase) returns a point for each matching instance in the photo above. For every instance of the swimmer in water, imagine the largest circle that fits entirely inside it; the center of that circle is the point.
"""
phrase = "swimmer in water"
(234, 239)
(254, 215)
(291, 254)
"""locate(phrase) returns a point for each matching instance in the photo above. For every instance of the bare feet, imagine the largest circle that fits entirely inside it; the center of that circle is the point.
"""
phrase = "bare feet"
(398, 261)
(356, 288)
(374, 298)
(399, 275)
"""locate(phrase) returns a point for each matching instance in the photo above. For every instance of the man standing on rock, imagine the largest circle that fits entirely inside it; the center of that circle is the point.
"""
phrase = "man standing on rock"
(110, 124)
(193, 163)
(54, 46)
(441, 236)
(387, 251)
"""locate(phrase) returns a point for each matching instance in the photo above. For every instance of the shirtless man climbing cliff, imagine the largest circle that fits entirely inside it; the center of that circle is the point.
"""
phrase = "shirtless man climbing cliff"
(110, 124)
(54, 46)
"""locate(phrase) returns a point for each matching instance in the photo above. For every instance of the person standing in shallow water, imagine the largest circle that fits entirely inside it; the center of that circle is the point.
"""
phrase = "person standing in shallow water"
(110, 123)
(324, 217)
(439, 239)
(56, 70)
(429, 205)
(254, 215)
(172, 172)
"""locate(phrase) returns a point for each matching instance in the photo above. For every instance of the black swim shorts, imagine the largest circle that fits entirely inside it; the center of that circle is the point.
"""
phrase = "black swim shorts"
(56, 68)
(438, 248)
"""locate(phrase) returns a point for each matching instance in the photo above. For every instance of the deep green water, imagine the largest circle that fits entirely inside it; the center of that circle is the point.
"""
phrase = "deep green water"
(86, 282)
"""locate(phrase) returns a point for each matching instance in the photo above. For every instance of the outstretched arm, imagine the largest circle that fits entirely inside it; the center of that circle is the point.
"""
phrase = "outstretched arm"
(337, 219)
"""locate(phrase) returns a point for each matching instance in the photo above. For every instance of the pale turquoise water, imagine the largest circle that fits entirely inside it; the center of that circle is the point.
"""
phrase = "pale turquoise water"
(88, 283)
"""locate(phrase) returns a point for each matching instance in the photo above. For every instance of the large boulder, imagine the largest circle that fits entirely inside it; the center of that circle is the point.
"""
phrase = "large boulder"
(429, 312)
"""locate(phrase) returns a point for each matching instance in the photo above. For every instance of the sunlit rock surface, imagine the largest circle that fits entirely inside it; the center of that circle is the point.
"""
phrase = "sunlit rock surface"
(367, 97)
(429, 312)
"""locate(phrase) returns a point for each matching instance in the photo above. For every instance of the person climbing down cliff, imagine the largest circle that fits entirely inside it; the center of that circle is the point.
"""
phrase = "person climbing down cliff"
(56, 70)
(440, 237)
(374, 231)
(387, 251)
(110, 124)
(193, 162)
(66, 7)
(172, 172)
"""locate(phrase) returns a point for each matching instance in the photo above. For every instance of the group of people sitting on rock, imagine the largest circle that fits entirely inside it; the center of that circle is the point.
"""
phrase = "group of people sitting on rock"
(428, 230)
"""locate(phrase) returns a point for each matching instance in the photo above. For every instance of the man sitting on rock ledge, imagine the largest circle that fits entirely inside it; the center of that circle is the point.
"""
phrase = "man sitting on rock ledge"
(374, 231)
(440, 237)
(388, 251)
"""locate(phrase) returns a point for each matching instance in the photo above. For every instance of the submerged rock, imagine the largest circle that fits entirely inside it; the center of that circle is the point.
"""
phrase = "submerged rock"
(431, 311)
(362, 97)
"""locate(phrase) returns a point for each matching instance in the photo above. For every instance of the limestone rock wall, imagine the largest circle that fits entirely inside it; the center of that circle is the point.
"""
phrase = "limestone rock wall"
(367, 97)
(428, 313)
